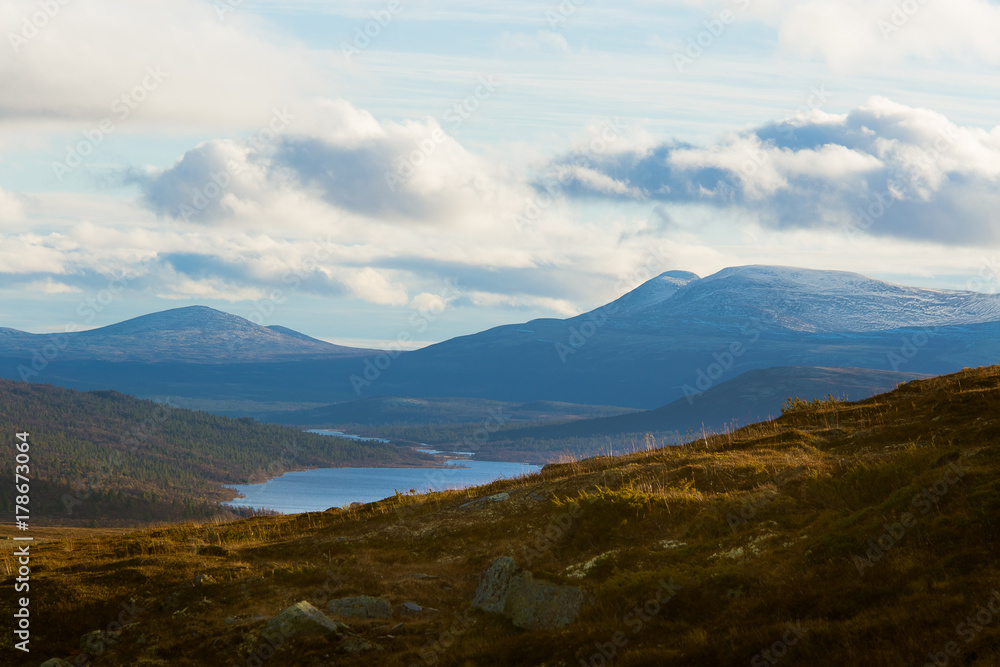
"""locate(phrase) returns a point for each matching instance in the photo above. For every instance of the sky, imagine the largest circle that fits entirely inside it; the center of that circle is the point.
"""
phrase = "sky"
(369, 171)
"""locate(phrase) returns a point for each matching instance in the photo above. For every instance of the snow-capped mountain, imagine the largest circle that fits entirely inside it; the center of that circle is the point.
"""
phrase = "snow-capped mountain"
(195, 333)
(801, 300)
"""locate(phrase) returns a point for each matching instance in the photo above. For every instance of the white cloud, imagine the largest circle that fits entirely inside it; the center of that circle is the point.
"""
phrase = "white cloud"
(934, 179)
(93, 60)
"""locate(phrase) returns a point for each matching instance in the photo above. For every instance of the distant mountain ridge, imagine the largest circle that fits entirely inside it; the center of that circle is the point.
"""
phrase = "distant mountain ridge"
(193, 334)
(642, 350)
(803, 300)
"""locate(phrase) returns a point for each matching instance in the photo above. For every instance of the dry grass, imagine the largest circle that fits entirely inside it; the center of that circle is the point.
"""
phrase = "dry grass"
(760, 527)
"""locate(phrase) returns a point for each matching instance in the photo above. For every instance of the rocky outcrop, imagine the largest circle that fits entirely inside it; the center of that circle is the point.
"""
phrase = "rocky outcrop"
(299, 620)
(479, 503)
(529, 603)
(362, 606)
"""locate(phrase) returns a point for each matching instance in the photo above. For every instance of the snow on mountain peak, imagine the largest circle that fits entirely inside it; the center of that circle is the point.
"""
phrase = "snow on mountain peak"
(802, 300)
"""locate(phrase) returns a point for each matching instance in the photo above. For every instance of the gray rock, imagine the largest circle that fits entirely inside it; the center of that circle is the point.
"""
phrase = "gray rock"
(482, 502)
(536, 605)
(356, 644)
(299, 620)
(494, 585)
(532, 604)
(56, 662)
(362, 606)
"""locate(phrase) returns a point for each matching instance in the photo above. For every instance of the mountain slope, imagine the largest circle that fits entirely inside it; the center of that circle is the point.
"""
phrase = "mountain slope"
(400, 410)
(754, 396)
(645, 348)
(110, 457)
(845, 534)
(193, 334)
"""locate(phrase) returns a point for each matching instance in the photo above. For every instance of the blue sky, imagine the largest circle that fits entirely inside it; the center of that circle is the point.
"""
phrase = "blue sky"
(474, 164)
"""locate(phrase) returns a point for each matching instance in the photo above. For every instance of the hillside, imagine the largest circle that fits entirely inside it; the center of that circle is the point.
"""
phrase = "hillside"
(754, 396)
(395, 410)
(104, 458)
(839, 534)
(645, 349)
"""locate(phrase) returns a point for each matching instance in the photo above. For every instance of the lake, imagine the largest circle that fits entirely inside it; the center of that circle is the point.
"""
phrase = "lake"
(318, 490)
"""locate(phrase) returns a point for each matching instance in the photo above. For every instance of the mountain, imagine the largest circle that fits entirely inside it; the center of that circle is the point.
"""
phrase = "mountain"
(195, 334)
(678, 334)
(846, 534)
(674, 335)
(801, 300)
(757, 395)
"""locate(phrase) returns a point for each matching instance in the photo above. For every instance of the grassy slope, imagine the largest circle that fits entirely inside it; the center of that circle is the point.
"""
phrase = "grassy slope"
(108, 458)
(815, 487)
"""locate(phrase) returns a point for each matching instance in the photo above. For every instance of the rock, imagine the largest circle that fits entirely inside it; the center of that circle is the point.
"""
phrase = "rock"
(494, 585)
(356, 644)
(537, 605)
(203, 579)
(532, 604)
(56, 662)
(482, 502)
(362, 606)
(298, 620)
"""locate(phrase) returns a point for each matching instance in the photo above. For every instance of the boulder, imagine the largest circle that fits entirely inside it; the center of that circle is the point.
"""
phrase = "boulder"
(362, 606)
(487, 500)
(299, 620)
(529, 603)
(56, 662)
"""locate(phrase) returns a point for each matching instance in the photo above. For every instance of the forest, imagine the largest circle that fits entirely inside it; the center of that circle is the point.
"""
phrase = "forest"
(103, 458)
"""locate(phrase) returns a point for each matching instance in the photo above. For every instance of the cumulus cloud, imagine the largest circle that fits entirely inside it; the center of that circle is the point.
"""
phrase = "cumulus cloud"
(336, 160)
(855, 34)
(884, 169)
(208, 71)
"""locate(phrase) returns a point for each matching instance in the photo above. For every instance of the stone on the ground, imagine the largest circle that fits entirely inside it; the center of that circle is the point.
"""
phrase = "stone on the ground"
(482, 502)
(529, 603)
(56, 662)
(299, 620)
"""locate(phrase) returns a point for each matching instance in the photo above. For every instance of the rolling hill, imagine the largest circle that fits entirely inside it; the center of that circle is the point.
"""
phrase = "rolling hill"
(110, 458)
(839, 534)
